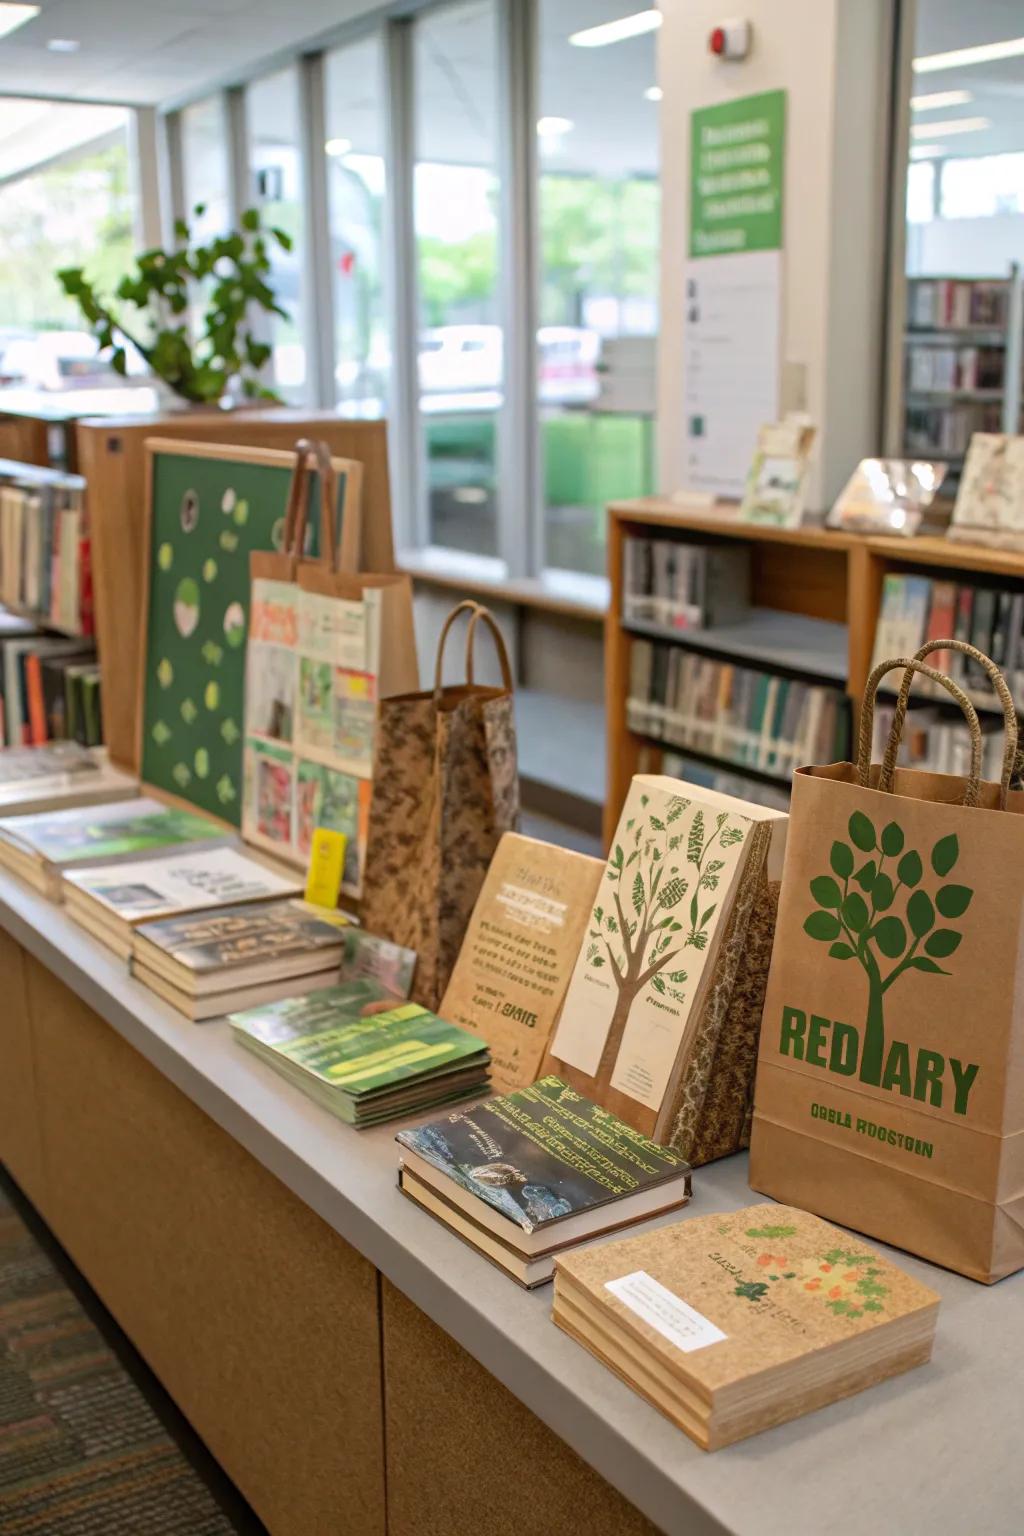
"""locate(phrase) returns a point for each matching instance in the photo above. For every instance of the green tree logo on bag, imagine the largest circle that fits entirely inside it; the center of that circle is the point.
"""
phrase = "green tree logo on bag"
(879, 912)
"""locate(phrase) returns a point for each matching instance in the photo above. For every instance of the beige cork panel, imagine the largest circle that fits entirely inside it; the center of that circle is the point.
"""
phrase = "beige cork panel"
(465, 1455)
(260, 1321)
(20, 1144)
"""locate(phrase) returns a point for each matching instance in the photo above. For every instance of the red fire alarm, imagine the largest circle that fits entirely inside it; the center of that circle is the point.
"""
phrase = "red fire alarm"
(730, 41)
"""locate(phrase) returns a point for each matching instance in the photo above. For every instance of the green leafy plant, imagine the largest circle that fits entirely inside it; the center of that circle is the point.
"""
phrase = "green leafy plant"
(854, 916)
(643, 936)
(227, 278)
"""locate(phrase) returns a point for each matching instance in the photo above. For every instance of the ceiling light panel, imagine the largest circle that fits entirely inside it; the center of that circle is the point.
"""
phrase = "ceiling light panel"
(962, 58)
(617, 31)
(13, 16)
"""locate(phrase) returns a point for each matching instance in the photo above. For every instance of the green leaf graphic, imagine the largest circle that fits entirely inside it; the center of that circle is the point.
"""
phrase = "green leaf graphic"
(841, 952)
(862, 833)
(841, 860)
(942, 942)
(953, 900)
(822, 925)
(920, 914)
(945, 854)
(910, 868)
(921, 964)
(892, 840)
(826, 892)
(855, 912)
(865, 876)
(891, 937)
(882, 894)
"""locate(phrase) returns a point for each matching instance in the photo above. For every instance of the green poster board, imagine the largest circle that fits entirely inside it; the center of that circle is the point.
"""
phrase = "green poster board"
(209, 511)
(737, 156)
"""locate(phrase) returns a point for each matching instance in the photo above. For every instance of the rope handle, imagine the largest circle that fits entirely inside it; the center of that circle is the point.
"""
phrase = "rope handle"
(310, 453)
(910, 665)
(1002, 690)
(478, 613)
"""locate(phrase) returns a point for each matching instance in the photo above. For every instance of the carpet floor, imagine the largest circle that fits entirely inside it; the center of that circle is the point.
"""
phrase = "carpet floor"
(81, 1451)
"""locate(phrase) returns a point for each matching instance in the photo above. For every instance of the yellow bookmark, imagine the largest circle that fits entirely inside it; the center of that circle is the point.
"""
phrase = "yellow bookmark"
(326, 866)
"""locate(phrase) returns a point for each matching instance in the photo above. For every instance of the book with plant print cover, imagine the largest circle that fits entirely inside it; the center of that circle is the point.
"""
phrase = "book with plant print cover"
(524, 1174)
(661, 1017)
(734, 1323)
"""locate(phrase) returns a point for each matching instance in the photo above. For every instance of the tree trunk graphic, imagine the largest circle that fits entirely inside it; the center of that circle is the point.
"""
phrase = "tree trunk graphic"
(641, 937)
(855, 930)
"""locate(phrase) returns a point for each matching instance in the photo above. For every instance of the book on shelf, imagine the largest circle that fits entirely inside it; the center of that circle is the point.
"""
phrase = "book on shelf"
(945, 431)
(526, 1175)
(991, 494)
(111, 900)
(39, 848)
(679, 584)
(916, 608)
(45, 565)
(950, 303)
(26, 716)
(519, 950)
(209, 963)
(952, 368)
(731, 1324)
(938, 742)
(58, 776)
(743, 716)
(365, 1067)
(656, 1024)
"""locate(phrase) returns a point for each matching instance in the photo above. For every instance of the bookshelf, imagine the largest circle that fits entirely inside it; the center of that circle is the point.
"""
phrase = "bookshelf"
(816, 596)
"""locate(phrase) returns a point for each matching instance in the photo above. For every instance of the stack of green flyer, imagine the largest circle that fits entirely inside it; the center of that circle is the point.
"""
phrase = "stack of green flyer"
(365, 1067)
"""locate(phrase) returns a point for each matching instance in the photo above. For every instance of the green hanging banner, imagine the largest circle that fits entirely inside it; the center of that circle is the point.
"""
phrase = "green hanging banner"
(737, 154)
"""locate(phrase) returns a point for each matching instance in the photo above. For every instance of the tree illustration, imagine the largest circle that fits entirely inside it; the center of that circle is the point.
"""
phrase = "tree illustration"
(855, 916)
(751, 1290)
(641, 938)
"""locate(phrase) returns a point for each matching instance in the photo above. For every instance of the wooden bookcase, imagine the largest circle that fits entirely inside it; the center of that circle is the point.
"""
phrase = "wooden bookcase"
(815, 601)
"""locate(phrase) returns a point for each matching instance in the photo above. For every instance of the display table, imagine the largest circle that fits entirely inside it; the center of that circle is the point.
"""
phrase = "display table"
(339, 1382)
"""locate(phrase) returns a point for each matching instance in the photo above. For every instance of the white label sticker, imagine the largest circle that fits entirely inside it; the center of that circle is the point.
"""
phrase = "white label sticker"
(663, 1310)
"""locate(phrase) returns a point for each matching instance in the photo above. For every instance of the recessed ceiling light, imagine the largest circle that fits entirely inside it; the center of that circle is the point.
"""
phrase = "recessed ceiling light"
(653, 93)
(927, 151)
(953, 125)
(336, 147)
(957, 58)
(617, 31)
(940, 99)
(554, 127)
(12, 16)
(63, 45)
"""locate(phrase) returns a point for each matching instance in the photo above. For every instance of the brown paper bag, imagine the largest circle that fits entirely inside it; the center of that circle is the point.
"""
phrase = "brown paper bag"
(891, 1067)
(446, 787)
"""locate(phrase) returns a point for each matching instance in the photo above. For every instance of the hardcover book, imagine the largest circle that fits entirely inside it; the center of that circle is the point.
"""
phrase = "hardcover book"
(111, 899)
(38, 847)
(518, 953)
(661, 1018)
(268, 934)
(730, 1324)
(364, 1068)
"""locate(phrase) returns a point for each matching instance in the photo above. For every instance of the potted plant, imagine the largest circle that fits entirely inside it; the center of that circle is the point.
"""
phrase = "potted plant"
(223, 283)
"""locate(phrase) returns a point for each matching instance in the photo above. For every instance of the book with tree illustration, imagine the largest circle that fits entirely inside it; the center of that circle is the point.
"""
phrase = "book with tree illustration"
(661, 1017)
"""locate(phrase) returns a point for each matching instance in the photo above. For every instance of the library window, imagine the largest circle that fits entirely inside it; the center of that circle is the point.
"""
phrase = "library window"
(205, 171)
(599, 206)
(67, 201)
(459, 347)
(356, 186)
(275, 152)
(965, 229)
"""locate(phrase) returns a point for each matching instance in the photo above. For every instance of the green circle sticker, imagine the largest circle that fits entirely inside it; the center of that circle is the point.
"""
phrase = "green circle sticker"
(165, 556)
(227, 501)
(210, 570)
(241, 513)
(165, 673)
(211, 696)
(202, 762)
(234, 625)
(186, 606)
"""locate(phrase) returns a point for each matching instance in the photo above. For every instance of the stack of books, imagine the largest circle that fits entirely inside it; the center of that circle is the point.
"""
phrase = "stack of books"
(678, 584)
(112, 900)
(40, 848)
(49, 687)
(527, 1175)
(45, 566)
(59, 776)
(916, 608)
(745, 717)
(207, 964)
(365, 1067)
(734, 1323)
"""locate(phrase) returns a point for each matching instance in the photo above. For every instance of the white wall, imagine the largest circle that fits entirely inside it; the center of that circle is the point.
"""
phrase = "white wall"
(966, 247)
(831, 58)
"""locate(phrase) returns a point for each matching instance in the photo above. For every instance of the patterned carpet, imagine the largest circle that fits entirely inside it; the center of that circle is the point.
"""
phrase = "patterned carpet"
(81, 1452)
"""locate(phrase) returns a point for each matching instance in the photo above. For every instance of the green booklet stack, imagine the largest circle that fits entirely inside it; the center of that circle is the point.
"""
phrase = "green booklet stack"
(365, 1067)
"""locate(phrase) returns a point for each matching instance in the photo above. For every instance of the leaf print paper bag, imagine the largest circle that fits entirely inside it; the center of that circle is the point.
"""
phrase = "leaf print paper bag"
(661, 1017)
(446, 787)
(890, 1085)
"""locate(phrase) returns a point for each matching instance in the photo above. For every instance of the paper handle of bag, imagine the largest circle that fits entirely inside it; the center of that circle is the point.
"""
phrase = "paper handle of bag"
(478, 612)
(311, 453)
(999, 683)
(909, 664)
(499, 645)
